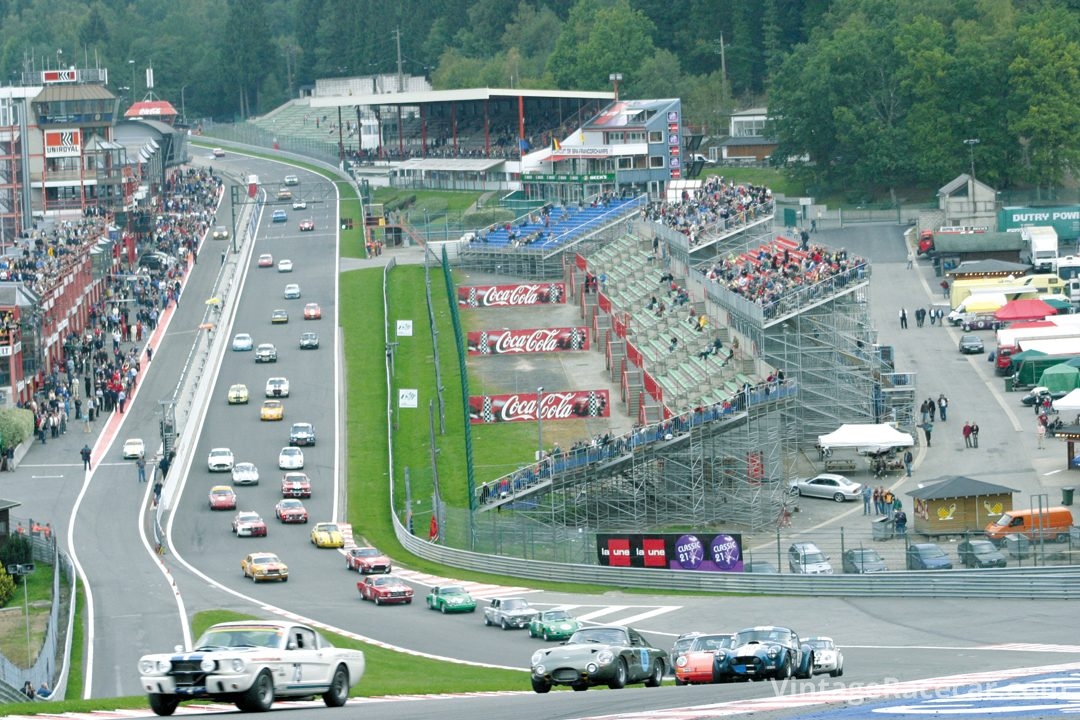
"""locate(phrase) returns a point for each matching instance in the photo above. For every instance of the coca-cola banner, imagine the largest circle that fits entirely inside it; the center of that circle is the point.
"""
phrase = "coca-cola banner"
(541, 340)
(480, 296)
(708, 551)
(569, 405)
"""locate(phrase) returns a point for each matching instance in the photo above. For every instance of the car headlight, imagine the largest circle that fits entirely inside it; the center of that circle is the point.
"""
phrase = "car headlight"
(591, 668)
(537, 657)
(720, 654)
(681, 662)
(150, 666)
(539, 670)
(604, 657)
(238, 665)
(208, 665)
(774, 650)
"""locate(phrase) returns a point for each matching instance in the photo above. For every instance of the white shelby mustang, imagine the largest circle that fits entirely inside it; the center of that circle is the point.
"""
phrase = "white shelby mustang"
(251, 664)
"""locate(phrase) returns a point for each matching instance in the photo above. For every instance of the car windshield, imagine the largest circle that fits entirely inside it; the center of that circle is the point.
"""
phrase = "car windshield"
(709, 643)
(813, 558)
(603, 636)
(983, 548)
(222, 493)
(931, 551)
(865, 555)
(552, 615)
(372, 552)
(683, 643)
(452, 590)
(821, 643)
(264, 559)
(238, 637)
(513, 604)
(291, 504)
(761, 635)
(1004, 520)
(384, 580)
(325, 527)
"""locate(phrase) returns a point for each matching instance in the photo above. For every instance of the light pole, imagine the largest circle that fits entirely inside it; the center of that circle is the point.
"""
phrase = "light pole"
(132, 64)
(539, 423)
(183, 105)
(971, 143)
(615, 78)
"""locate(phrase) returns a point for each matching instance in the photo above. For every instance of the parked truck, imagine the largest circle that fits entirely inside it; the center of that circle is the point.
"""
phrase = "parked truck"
(1040, 247)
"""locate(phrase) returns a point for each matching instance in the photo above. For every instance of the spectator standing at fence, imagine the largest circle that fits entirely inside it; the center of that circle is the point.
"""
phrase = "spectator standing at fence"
(908, 460)
(140, 466)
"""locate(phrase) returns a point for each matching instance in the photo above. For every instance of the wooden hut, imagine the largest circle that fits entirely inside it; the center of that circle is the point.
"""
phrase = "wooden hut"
(956, 505)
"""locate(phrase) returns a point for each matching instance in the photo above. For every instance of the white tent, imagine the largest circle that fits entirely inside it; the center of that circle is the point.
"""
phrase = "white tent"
(1069, 404)
(866, 438)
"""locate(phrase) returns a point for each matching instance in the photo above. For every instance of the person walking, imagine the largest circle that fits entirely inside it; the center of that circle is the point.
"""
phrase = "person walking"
(942, 405)
(1040, 432)
(903, 318)
(928, 428)
(931, 408)
(910, 260)
(867, 495)
(140, 466)
(908, 459)
(121, 400)
(967, 434)
(945, 289)
(975, 435)
(85, 453)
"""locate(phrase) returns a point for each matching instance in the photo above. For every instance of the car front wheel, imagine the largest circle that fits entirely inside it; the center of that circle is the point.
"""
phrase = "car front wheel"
(163, 704)
(260, 696)
(338, 694)
(541, 686)
(619, 681)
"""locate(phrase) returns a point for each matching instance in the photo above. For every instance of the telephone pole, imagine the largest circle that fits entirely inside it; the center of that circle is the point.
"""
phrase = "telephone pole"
(400, 75)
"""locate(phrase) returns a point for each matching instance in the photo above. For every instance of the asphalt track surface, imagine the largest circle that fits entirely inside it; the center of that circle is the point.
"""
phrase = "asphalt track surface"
(135, 610)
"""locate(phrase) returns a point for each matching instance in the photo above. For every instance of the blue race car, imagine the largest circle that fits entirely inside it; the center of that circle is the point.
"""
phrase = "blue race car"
(764, 652)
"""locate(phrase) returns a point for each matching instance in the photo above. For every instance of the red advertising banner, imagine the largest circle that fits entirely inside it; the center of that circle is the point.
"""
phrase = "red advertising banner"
(540, 340)
(480, 296)
(569, 405)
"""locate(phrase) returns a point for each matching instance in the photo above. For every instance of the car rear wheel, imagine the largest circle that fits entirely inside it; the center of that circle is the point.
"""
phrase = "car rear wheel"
(260, 696)
(541, 686)
(838, 497)
(619, 681)
(338, 694)
(163, 704)
(657, 676)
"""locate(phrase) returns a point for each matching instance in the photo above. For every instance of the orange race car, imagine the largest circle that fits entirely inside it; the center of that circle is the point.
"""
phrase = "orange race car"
(695, 665)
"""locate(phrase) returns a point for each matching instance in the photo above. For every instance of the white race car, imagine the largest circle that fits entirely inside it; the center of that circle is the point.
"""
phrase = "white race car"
(827, 657)
(252, 664)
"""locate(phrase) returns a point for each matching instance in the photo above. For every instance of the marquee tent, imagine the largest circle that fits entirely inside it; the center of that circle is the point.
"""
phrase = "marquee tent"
(1025, 309)
(866, 437)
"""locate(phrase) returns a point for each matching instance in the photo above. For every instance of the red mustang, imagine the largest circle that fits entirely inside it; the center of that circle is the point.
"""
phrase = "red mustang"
(296, 484)
(384, 589)
(366, 560)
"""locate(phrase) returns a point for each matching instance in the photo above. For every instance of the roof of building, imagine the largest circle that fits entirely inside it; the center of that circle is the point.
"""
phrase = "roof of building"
(958, 486)
(977, 242)
(60, 92)
(751, 111)
(744, 141)
(960, 182)
(451, 164)
(628, 113)
(461, 95)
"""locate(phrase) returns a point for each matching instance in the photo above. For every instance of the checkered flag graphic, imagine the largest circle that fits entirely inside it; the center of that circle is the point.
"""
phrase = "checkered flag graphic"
(554, 293)
(576, 338)
(472, 297)
(485, 410)
(485, 348)
(594, 404)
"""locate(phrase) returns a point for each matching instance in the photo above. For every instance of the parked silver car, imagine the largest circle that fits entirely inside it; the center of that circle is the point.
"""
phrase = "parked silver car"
(827, 485)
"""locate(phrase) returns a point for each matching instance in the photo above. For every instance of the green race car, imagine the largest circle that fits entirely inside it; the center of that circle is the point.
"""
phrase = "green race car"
(553, 625)
(450, 598)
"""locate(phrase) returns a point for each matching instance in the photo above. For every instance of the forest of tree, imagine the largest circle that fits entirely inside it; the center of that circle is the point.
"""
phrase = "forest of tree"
(878, 94)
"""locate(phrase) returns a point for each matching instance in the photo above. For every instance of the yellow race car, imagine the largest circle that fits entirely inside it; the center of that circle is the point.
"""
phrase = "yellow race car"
(272, 410)
(238, 394)
(327, 535)
(264, 566)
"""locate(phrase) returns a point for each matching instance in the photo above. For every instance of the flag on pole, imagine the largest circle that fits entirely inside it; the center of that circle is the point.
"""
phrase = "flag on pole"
(433, 532)
(555, 144)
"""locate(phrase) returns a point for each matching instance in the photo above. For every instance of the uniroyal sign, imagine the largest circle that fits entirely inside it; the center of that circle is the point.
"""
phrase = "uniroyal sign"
(540, 340)
(528, 407)
(63, 143)
(478, 296)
